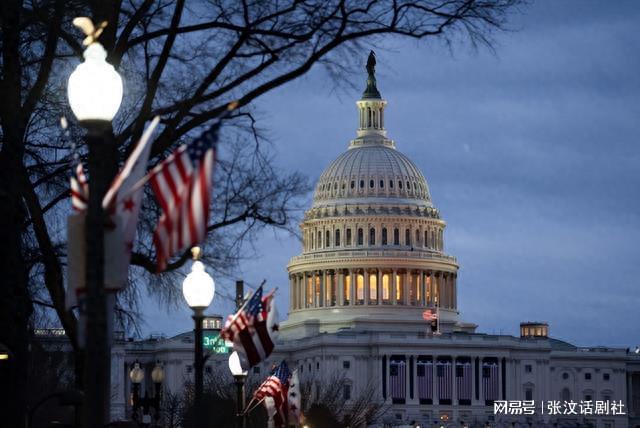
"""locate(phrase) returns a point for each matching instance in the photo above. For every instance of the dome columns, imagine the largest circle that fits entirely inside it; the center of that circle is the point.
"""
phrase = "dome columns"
(371, 287)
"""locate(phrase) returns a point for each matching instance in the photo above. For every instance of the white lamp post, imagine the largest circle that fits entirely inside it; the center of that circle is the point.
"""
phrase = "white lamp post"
(198, 289)
(95, 93)
(240, 375)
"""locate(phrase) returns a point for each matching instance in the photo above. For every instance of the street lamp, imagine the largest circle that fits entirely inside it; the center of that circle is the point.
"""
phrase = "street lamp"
(240, 376)
(95, 94)
(198, 289)
(146, 403)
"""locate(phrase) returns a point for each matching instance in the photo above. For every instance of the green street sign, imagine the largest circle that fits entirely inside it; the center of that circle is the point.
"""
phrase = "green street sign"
(211, 342)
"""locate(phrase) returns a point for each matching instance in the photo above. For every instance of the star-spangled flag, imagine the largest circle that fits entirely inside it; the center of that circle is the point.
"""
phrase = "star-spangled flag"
(429, 315)
(274, 393)
(253, 329)
(397, 379)
(425, 379)
(490, 386)
(463, 380)
(295, 400)
(182, 184)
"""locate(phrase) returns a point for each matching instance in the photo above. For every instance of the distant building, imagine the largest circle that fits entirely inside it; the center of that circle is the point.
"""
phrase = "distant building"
(373, 266)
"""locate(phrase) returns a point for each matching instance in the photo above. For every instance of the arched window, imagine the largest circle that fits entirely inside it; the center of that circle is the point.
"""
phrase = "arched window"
(327, 239)
(391, 184)
(319, 239)
(384, 236)
(373, 287)
(368, 117)
(371, 183)
(565, 395)
(359, 289)
(372, 236)
(348, 236)
(407, 237)
(382, 184)
(362, 184)
(336, 241)
(400, 184)
(417, 237)
(396, 236)
(312, 240)
(426, 238)
(408, 186)
(360, 236)
(353, 184)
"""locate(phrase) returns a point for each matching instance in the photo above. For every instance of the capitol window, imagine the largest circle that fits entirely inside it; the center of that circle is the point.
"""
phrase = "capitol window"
(400, 184)
(372, 236)
(384, 236)
(360, 289)
(399, 289)
(327, 239)
(386, 288)
(319, 241)
(347, 289)
(353, 184)
(382, 184)
(348, 237)
(407, 237)
(396, 236)
(606, 376)
(373, 288)
(426, 238)
(587, 376)
(362, 184)
(371, 183)
(391, 184)
(336, 241)
(360, 236)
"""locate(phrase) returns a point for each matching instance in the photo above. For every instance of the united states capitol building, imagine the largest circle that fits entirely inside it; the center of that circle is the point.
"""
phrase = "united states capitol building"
(373, 261)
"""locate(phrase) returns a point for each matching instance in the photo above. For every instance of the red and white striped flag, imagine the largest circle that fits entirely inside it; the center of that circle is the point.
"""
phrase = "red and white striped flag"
(79, 189)
(253, 329)
(182, 184)
(274, 393)
(490, 386)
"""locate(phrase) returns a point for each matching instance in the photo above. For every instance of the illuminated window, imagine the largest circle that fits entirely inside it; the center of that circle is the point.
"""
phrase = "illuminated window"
(360, 288)
(373, 287)
(318, 294)
(347, 289)
(309, 291)
(386, 288)
(400, 288)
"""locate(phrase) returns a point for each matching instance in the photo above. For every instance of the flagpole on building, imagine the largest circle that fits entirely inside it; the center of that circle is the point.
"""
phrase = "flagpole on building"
(437, 315)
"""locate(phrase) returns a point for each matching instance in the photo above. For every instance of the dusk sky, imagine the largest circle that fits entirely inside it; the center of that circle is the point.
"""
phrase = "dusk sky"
(532, 155)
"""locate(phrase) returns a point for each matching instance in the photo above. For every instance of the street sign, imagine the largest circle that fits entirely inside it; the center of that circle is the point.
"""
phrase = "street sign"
(211, 342)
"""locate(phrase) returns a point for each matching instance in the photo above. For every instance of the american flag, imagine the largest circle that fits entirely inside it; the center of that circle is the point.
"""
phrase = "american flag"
(79, 189)
(444, 379)
(429, 315)
(425, 379)
(253, 329)
(397, 379)
(274, 393)
(182, 185)
(463, 380)
(490, 387)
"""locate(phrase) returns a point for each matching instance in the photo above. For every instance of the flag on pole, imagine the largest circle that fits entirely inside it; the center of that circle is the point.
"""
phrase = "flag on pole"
(79, 189)
(294, 398)
(123, 201)
(274, 393)
(253, 329)
(182, 184)
(123, 204)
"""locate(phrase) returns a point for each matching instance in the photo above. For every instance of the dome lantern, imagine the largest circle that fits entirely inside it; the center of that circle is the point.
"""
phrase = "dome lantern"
(371, 107)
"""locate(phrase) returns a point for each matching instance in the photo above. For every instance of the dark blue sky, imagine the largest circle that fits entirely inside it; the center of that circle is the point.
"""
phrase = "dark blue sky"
(532, 155)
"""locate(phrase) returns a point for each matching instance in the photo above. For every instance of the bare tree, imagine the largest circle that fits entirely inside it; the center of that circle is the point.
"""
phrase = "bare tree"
(185, 62)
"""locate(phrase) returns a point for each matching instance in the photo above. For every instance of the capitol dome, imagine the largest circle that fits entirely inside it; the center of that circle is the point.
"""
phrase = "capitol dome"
(376, 173)
(372, 241)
